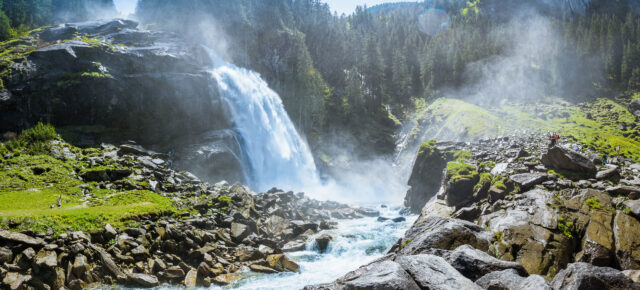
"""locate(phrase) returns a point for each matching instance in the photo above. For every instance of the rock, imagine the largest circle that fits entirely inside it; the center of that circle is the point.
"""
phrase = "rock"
(534, 282)
(294, 246)
(623, 189)
(191, 278)
(281, 263)
(399, 219)
(432, 272)
(442, 233)
(633, 274)
(527, 181)
(559, 157)
(262, 269)
(20, 238)
(322, 242)
(426, 176)
(473, 263)
(632, 205)
(25, 258)
(626, 230)
(59, 279)
(586, 276)
(80, 265)
(143, 280)
(505, 279)
(226, 279)
(610, 172)
(499, 169)
(46, 260)
(239, 231)
(597, 243)
(109, 232)
(174, 272)
(134, 149)
(382, 275)
(6, 256)
(458, 190)
(15, 281)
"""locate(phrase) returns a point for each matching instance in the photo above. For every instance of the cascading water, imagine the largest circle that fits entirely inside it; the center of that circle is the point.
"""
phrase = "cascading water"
(277, 155)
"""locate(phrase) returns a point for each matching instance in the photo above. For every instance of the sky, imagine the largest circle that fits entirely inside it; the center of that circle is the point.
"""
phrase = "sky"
(127, 7)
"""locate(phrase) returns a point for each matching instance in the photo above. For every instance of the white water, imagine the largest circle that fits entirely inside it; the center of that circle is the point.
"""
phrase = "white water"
(278, 156)
(355, 243)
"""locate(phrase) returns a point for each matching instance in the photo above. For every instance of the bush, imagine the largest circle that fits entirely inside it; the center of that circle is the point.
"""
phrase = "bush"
(40, 133)
(594, 203)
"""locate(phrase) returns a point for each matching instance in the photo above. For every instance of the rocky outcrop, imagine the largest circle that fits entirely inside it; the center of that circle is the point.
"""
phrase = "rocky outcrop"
(560, 157)
(426, 176)
(587, 276)
(107, 81)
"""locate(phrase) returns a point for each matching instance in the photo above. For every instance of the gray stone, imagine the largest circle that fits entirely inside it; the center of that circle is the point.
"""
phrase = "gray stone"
(6, 256)
(501, 280)
(534, 282)
(80, 266)
(143, 280)
(609, 172)
(20, 238)
(46, 260)
(473, 263)
(383, 275)
(425, 178)
(432, 272)
(633, 206)
(441, 233)
(559, 157)
(239, 231)
(623, 189)
(579, 276)
(322, 242)
(528, 180)
(15, 281)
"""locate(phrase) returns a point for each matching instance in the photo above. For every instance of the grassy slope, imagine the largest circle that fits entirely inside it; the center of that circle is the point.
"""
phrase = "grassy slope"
(26, 197)
(600, 132)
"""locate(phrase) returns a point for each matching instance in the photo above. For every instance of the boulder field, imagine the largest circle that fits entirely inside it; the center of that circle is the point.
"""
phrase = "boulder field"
(509, 213)
(211, 235)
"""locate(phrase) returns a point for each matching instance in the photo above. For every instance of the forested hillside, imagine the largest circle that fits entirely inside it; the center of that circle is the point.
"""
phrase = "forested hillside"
(19, 16)
(337, 73)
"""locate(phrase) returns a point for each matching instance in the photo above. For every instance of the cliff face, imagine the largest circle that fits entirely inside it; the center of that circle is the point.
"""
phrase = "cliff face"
(107, 81)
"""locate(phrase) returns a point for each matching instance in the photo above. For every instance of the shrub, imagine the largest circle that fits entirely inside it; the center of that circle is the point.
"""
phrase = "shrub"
(39, 133)
(594, 203)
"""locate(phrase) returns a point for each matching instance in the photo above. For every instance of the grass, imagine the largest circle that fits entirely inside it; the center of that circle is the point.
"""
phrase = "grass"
(565, 227)
(427, 147)
(485, 181)
(31, 183)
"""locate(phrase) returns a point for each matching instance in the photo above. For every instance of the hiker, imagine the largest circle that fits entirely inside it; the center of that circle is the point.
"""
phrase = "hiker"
(552, 140)
(575, 147)
(604, 158)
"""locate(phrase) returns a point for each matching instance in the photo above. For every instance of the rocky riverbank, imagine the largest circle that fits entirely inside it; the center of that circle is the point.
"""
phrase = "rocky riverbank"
(210, 234)
(508, 213)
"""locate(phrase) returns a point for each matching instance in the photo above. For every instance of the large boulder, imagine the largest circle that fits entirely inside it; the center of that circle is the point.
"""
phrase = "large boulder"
(382, 275)
(425, 177)
(473, 263)
(432, 272)
(579, 276)
(563, 158)
(458, 183)
(528, 180)
(441, 233)
(597, 243)
(626, 231)
(20, 238)
(505, 279)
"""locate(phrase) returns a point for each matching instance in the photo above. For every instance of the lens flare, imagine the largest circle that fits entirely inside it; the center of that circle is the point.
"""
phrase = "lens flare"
(434, 21)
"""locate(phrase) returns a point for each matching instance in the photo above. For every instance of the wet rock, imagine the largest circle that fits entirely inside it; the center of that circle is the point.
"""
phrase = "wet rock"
(442, 233)
(559, 157)
(399, 219)
(432, 272)
(322, 242)
(294, 246)
(473, 263)
(281, 263)
(174, 272)
(425, 178)
(134, 149)
(143, 280)
(587, 276)
(505, 279)
(527, 181)
(20, 238)
(626, 231)
(382, 275)
(457, 190)
(226, 279)
(262, 269)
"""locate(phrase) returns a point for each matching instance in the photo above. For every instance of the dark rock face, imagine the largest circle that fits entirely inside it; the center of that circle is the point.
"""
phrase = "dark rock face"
(125, 84)
(425, 177)
(559, 157)
(586, 276)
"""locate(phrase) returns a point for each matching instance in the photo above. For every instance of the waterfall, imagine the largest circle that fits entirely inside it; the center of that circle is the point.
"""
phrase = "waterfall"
(276, 153)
